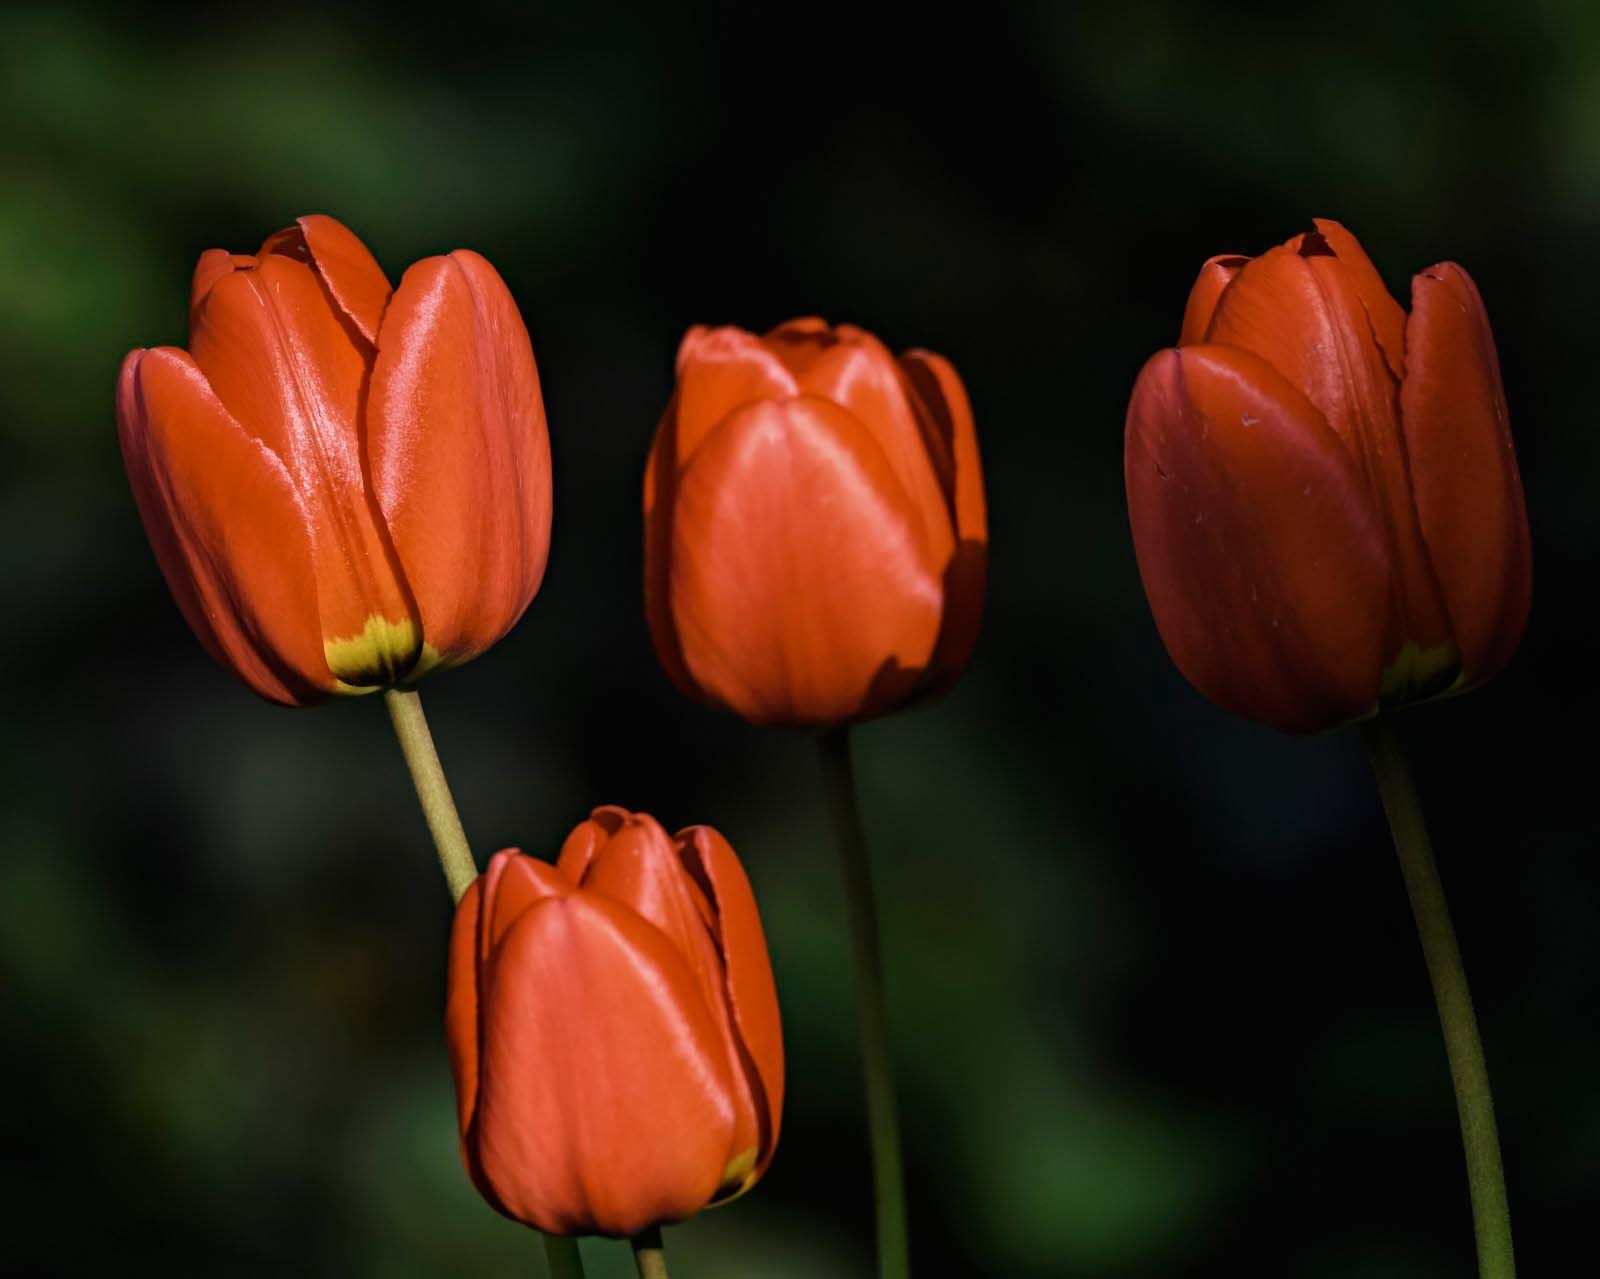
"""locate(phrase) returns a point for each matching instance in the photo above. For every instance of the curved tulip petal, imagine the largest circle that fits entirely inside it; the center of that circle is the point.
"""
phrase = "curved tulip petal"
(512, 885)
(1302, 310)
(751, 993)
(279, 356)
(1387, 317)
(624, 1121)
(460, 456)
(854, 370)
(213, 265)
(227, 528)
(721, 370)
(461, 1001)
(351, 273)
(1264, 559)
(802, 584)
(1464, 469)
(660, 504)
(1215, 276)
(939, 389)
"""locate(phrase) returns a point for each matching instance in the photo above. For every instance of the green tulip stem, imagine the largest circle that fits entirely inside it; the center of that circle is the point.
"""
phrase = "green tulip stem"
(1485, 1176)
(433, 791)
(649, 1255)
(460, 869)
(872, 1018)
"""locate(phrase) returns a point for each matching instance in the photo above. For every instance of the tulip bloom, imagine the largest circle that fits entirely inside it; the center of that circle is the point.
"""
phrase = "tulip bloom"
(1324, 497)
(815, 537)
(346, 484)
(614, 1030)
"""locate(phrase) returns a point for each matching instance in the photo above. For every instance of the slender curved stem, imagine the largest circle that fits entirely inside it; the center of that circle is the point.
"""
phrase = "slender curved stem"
(649, 1255)
(872, 1018)
(1491, 1215)
(460, 869)
(427, 775)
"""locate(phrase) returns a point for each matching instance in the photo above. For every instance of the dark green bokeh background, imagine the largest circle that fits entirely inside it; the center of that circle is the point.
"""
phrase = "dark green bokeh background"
(1155, 994)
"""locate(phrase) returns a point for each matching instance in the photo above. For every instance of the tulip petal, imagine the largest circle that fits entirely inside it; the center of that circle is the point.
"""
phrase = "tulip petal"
(850, 367)
(280, 357)
(511, 885)
(351, 273)
(751, 993)
(1387, 317)
(802, 583)
(721, 370)
(461, 1003)
(938, 390)
(1305, 311)
(603, 1098)
(1263, 557)
(226, 526)
(213, 265)
(1215, 276)
(459, 452)
(1464, 469)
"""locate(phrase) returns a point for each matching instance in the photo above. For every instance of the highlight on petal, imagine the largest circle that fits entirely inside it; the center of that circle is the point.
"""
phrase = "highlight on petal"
(459, 452)
(803, 587)
(287, 366)
(1464, 469)
(1262, 553)
(1215, 276)
(603, 1097)
(226, 525)
(851, 368)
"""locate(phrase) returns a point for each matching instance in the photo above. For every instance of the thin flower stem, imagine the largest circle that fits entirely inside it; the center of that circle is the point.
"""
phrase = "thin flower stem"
(460, 869)
(433, 791)
(871, 1013)
(1485, 1176)
(649, 1255)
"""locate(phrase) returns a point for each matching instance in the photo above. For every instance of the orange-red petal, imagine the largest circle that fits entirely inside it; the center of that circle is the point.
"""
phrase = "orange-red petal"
(1305, 310)
(281, 358)
(803, 587)
(459, 452)
(939, 391)
(721, 370)
(351, 273)
(603, 1097)
(226, 525)
(1262, 554)
(1215, 276)
(752, 994)
(1464, 469)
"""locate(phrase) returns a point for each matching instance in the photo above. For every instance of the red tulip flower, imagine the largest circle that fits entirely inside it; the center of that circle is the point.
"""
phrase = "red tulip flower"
(815, 538)
(614, 1030)
(346, 484)
(1324, 497)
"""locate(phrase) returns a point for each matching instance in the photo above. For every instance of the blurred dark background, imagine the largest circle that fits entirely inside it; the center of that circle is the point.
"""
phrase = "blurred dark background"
(1156, 997)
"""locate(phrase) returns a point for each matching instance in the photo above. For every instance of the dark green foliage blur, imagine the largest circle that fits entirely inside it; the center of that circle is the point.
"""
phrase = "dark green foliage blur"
(1156, 1000)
